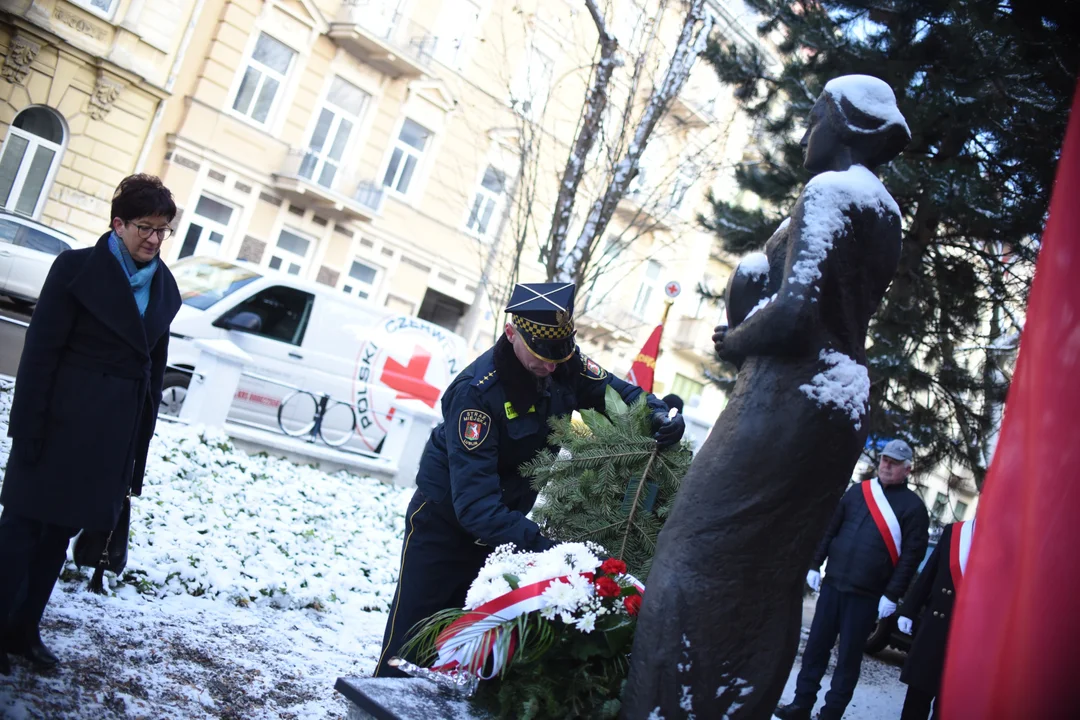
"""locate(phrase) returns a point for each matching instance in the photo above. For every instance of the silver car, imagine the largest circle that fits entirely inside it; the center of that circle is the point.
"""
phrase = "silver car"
(27, 251)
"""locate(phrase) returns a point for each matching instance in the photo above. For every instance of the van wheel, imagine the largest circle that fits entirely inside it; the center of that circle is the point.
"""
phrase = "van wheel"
(173, 392)
(879, 639)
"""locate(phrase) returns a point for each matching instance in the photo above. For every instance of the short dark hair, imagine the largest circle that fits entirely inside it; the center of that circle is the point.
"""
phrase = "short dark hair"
(139, 196)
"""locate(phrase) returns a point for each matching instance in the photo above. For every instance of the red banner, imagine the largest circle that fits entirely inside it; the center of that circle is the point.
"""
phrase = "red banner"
(643, 370)
(1014, 641)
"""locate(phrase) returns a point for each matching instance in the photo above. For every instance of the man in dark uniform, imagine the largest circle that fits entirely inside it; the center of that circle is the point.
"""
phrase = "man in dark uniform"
(935, 590)
(874, 543)
(470, 496)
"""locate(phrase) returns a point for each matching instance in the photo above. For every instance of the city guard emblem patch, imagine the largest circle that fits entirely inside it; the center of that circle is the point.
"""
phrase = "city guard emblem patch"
(592, 369)
(473, 428)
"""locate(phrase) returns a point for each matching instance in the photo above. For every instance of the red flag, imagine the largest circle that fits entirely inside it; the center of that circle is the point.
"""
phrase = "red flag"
(644, 367)
(1016, 633)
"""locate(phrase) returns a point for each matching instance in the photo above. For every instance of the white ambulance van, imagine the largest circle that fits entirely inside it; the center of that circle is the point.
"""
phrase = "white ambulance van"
(326, 366)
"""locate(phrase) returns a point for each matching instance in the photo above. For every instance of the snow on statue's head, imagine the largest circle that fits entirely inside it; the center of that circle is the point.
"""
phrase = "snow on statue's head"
(862, 109)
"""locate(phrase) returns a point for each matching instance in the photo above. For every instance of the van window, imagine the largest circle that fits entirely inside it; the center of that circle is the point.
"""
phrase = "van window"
(8, 231)
(205, 282)
(32, 239)
(284, 312)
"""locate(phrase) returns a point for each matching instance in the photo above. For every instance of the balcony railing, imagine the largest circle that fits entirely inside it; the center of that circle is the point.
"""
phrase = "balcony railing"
(693, 335)
(300, 177)
(377, 33)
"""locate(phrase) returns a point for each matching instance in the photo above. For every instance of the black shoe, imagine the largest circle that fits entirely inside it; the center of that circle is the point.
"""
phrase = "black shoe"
(792, 712)
(5, 666)
(30, 646)
(827, 713)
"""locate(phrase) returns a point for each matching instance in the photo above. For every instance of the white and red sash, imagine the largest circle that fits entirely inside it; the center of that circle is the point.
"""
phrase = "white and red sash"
(469, 641)
(884, 517)
(959, 549)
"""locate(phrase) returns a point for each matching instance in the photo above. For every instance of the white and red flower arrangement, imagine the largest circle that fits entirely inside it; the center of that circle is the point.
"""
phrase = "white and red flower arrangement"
(553, 627)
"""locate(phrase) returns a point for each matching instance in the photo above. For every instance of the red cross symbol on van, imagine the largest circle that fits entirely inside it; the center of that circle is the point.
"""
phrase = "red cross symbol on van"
(408, 380)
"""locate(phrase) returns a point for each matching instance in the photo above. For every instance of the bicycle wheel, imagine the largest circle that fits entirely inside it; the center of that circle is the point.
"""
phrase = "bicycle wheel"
(296, 414)
(338, 424)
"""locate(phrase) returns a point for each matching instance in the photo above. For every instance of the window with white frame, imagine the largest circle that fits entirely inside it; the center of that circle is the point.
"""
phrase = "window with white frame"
(530, 90)
(457, 24)
(487, 204)
(649, 288)
(361, 280)
(405, 158)
(265, 72)
(207, 228)
(104, 8)
(336, 125)
(29, 160)
(291, 252)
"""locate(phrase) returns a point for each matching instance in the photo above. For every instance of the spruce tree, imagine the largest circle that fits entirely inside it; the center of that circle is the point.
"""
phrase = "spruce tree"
(609, 483)
(986, 88)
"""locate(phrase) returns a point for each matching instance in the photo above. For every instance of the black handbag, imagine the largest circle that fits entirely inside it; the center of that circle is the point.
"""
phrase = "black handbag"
(103, 550)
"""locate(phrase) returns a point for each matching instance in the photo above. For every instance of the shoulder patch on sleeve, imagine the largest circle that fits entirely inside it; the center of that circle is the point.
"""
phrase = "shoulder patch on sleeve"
(473, 428)
(592, 370)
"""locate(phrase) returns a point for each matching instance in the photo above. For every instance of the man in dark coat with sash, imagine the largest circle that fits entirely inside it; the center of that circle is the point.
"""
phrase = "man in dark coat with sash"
(933, 595)
(874, 543)
(86, 400)
(470, 495)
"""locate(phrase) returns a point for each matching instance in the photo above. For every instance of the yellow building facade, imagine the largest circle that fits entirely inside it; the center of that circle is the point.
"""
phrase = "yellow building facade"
(395, 150)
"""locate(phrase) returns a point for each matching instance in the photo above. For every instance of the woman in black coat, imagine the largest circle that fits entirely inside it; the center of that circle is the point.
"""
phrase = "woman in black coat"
(933, 595)
(86, 400)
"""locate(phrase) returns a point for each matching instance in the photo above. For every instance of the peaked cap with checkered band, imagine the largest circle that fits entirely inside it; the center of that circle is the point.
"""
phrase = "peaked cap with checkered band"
(543, 314)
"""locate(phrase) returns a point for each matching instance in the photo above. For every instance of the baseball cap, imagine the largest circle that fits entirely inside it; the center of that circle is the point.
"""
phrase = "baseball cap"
(898, 450)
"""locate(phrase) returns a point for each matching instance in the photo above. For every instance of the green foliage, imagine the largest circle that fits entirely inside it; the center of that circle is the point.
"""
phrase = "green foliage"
(986, 89)
(607, 484)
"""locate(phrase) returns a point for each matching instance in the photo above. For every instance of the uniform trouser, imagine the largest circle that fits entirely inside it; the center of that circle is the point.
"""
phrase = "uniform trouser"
(438, 563)
(852, 617)
(32, 553)
(917, 704)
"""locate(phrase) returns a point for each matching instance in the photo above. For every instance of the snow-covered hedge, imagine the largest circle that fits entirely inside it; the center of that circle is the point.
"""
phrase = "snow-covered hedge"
(215, 521)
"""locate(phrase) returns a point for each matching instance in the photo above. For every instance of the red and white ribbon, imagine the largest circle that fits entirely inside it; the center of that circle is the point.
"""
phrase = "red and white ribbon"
(469, 641)
(959, 549)
(884, 517)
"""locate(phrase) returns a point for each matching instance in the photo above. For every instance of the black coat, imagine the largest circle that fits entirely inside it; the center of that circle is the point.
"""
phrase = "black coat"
(87, 391)
(859, 560)
(471, 465)
(933, 595)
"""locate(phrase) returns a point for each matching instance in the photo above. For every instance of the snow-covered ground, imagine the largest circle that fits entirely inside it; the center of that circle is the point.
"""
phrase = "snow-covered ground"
(252, 585)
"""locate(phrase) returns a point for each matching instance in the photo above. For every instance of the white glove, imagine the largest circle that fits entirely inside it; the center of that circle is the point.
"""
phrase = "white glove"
(885, 608)
(903, 624)
(813, 579)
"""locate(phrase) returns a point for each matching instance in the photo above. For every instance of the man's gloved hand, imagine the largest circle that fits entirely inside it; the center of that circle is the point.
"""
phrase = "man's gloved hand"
(885, 608)
(813, 579)
(668, 430)
(903, 624)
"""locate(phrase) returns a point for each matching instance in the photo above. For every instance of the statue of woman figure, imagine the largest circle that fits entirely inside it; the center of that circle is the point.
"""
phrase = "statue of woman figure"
(719, 626)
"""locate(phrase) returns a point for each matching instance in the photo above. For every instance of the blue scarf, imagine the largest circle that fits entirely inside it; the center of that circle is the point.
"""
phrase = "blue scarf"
(138, 278)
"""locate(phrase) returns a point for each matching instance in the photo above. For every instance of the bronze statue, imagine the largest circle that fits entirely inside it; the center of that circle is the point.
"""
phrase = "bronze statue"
(719, 627)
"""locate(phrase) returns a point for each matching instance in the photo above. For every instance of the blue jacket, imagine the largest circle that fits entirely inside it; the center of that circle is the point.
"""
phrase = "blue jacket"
(470, 466)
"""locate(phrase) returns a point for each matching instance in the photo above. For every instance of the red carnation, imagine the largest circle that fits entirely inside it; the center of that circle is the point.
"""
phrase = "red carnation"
(613, 566)
(632, 603)
(606, 587)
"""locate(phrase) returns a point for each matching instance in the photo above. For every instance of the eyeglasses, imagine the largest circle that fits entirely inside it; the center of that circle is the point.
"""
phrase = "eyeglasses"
(145, 231)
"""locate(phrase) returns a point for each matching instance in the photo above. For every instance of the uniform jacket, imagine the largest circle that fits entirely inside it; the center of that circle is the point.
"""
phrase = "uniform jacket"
(858, 557)
(87, 391)
(933, 595)
(469, 468)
